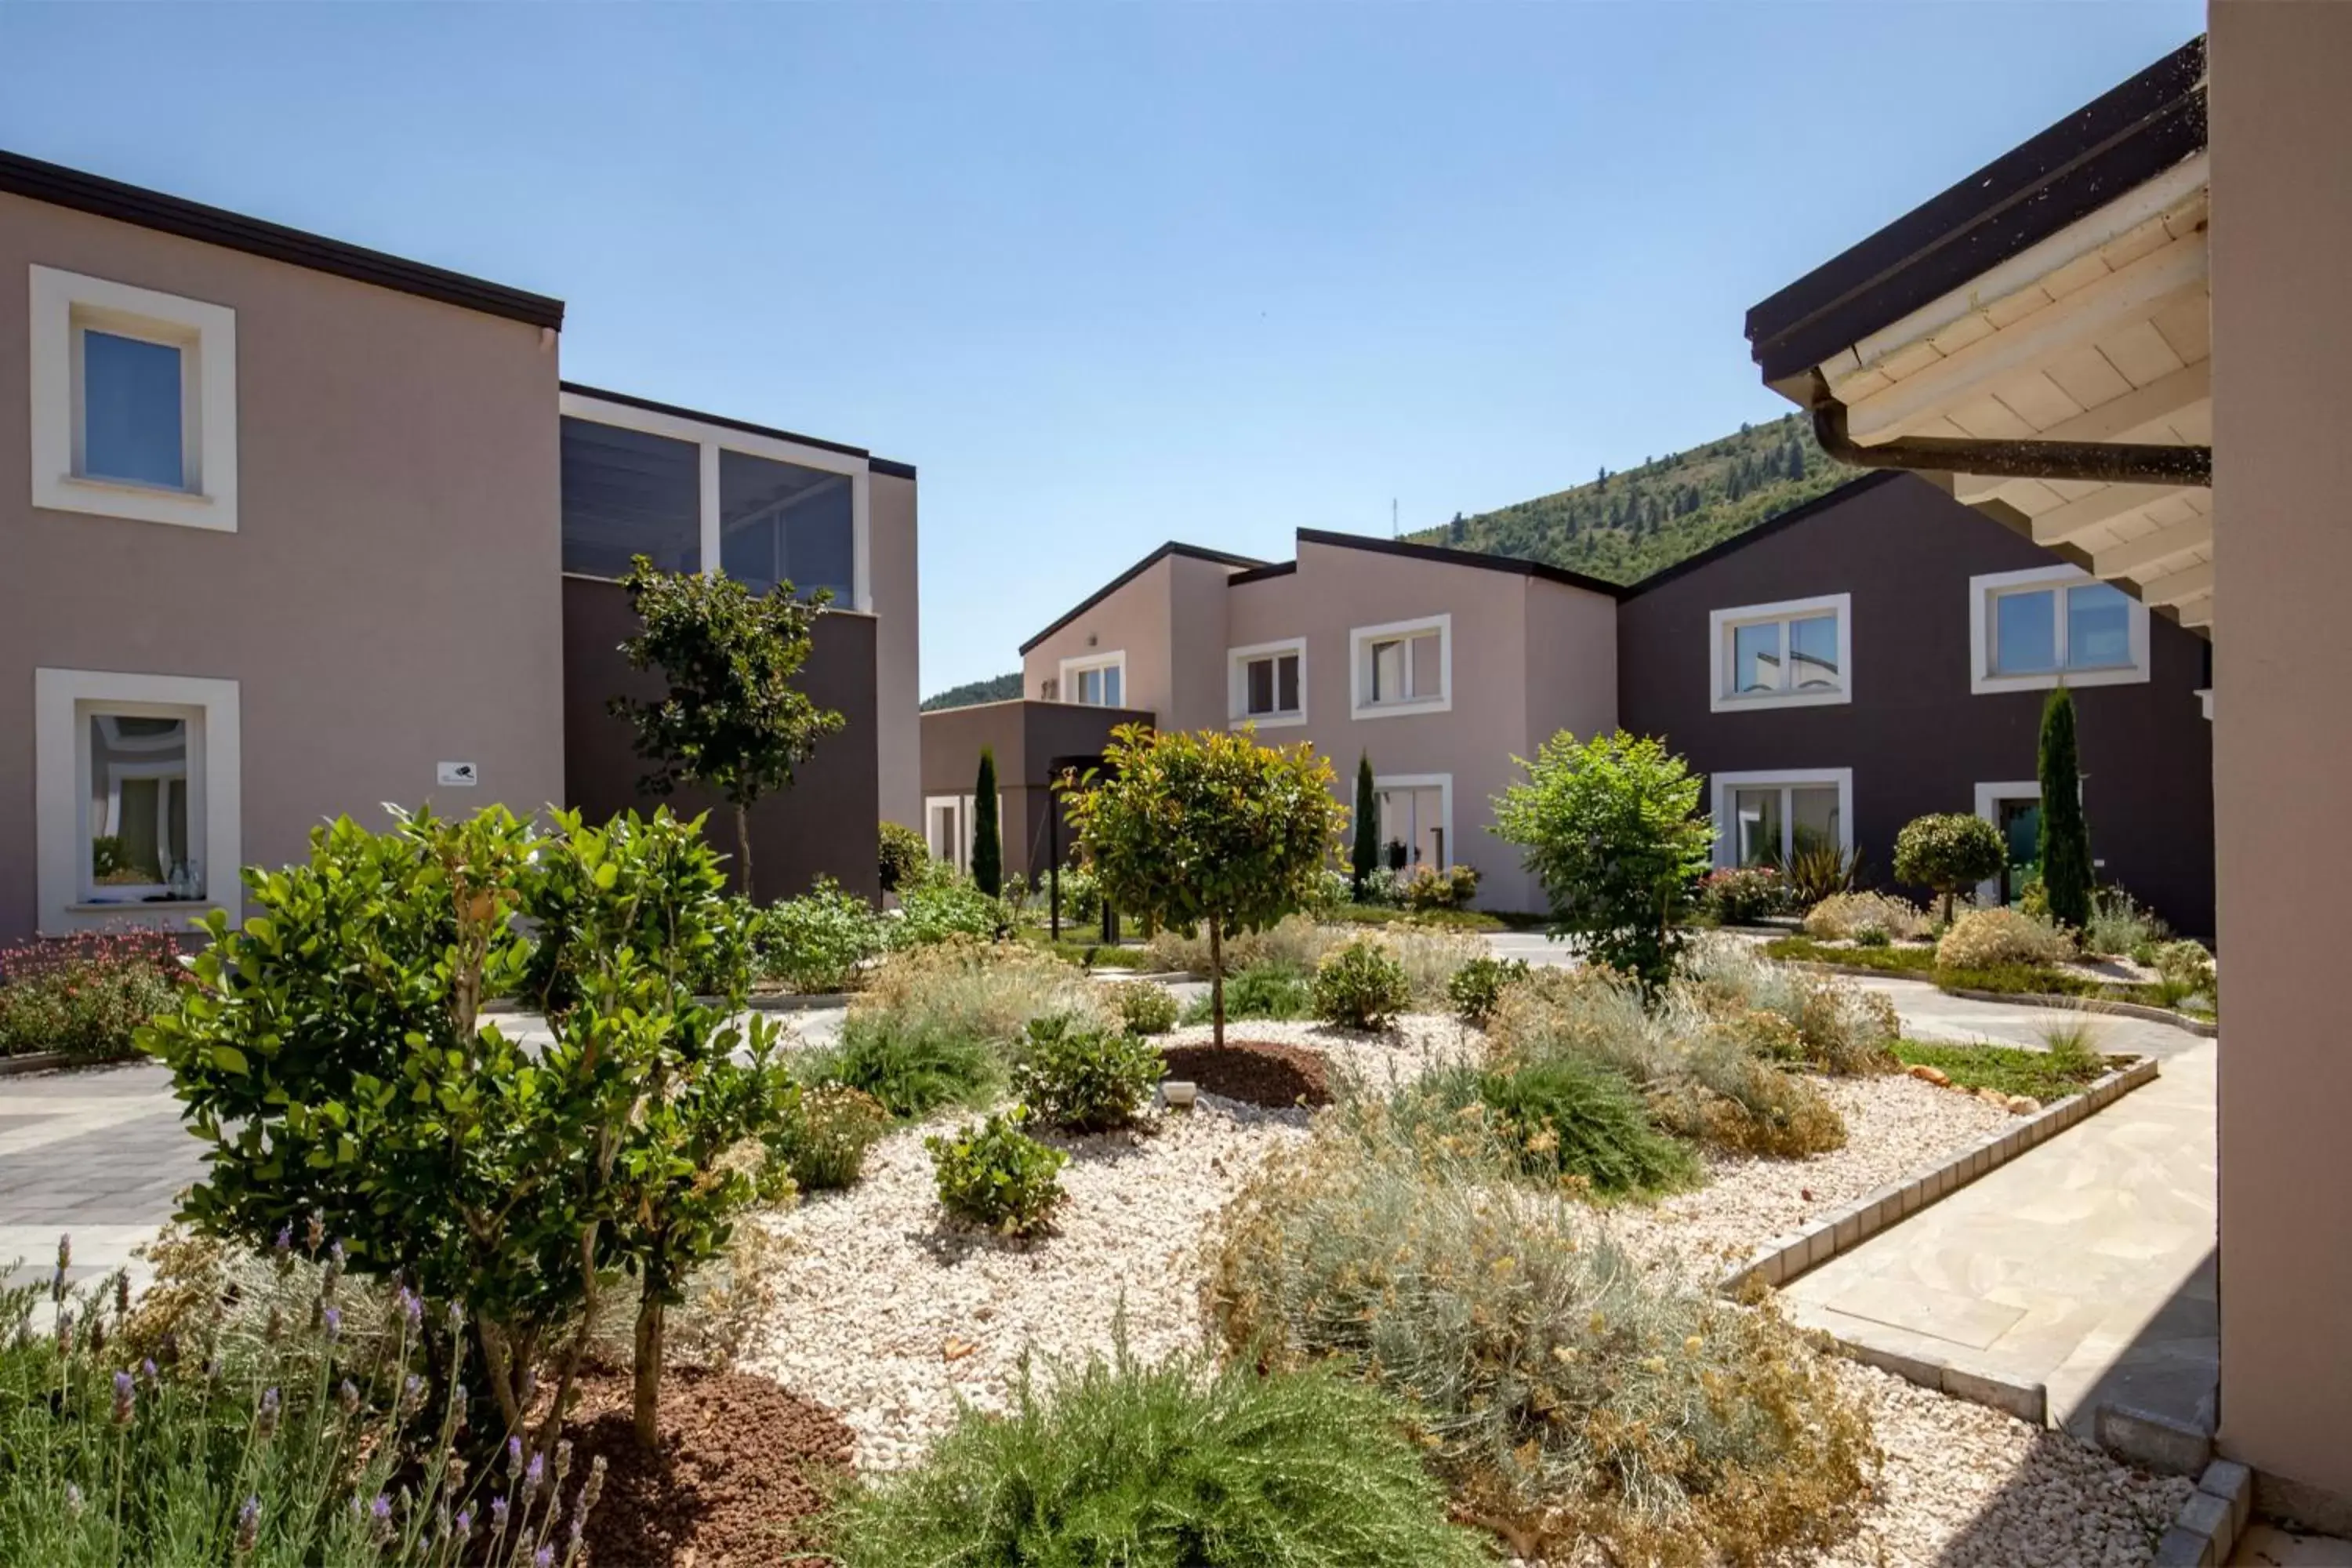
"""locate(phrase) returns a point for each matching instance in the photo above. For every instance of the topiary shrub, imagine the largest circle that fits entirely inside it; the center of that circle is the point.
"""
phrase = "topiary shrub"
(1950, 852)
(1855, 917)
(1570, 1398)
(1174, 1466)
(996, 1176)
(1982, 938)
(1145, 1006)
(1360, 985)
(1080, 1075)
(904, 856)
(826, 1140)
(816, 942)
(1478, 986)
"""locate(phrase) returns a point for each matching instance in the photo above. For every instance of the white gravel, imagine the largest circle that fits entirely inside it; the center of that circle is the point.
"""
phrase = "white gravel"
(1895, 1124)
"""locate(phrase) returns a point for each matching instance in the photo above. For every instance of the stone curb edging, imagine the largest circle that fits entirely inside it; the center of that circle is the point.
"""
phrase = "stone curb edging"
(2213, 1518)
(772, 1003)
(43, 1061)
(2092, 1004)
(1785, 1258)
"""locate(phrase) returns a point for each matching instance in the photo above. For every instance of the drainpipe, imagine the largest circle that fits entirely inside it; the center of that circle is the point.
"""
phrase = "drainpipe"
(2111, 462)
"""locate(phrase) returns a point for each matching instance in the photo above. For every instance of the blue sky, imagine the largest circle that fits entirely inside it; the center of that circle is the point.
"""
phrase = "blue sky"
(1108, 275)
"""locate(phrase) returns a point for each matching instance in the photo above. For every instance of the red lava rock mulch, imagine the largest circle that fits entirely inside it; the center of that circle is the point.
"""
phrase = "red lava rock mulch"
(1257, 1072)
(742, 1465)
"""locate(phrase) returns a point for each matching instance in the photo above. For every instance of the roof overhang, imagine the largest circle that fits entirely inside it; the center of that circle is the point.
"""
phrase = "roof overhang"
(2040, 334)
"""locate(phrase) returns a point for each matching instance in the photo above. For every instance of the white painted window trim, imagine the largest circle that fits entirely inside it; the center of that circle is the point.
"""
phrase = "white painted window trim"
(206, 334)
(1443, 785)
(63, 701)
(961, 832)
(1359, 685)
(1989, 799)
(1237, 663)
(1721, 624)
(1721, 785)
(713, 438)
(1984, 588)
(1080, 664)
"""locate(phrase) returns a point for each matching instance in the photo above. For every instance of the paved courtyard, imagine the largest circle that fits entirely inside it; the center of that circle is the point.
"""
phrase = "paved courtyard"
(100, 1153)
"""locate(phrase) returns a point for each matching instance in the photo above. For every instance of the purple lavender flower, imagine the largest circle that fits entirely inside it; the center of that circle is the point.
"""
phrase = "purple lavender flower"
(122, 1293)
(514, 1456)
(498, 1515)
(65, 1330)
(96, 1335)
(125, 1397)
(332, 1321)
(531, 1477)
(336, 1256)
(248, 1526)
(147, 1370)
(463, 1527)
(348, 1397)
(411, 1308)
(284, 1245)
(543, 1558)
(563, 1459)
(412, 1393)
(266, 1421)
(380, 1515)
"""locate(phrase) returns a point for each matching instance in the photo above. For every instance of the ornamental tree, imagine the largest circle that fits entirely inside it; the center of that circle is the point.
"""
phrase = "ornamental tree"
(1611, 828)
(1208, 828)
(732, 720)
(987, 837)
(1366, 859)
(2064, 847)
(1948, 851)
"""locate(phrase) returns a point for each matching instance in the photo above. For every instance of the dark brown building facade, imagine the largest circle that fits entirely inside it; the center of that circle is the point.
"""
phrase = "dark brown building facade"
(1029, 740)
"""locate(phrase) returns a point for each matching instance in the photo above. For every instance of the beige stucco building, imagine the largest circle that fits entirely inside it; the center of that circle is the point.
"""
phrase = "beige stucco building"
(1440, 666)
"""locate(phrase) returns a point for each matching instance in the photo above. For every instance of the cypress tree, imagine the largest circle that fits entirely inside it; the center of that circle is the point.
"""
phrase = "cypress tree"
(2065, 839)
(1367, 854)
(987, 846)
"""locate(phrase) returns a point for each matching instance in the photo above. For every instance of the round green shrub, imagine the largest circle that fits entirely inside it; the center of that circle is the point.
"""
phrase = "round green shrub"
(1948, 851)
(996, 1176)
(904, 856)
(815, 942)
(1360, 985)
(826, 1139)
(1072, 1074)
(1478, 986)
(1145, 1006)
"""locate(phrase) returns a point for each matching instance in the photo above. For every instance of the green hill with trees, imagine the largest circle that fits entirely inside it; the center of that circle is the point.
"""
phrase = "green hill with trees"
(1624, 526)
(972, 693)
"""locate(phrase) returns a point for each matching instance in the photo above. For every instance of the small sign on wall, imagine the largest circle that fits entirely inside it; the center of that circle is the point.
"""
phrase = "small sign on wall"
(462, 775)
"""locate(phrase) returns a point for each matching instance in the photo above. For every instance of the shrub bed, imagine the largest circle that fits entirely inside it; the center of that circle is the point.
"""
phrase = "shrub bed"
(83, 998)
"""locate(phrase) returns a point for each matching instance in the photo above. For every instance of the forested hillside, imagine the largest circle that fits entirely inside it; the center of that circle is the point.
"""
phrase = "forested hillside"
(995, 689)
(1622, 527)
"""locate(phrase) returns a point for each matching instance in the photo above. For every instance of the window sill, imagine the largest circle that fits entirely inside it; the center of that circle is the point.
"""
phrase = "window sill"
(1986, 685)
(136, 502)
(1400, 709)
(134, 906)
(1267, 721)
(1726, 703)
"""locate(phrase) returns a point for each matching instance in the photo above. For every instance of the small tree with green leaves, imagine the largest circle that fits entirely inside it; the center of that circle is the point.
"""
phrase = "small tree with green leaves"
(731, 720)
(987, 837)
(1948, 851)
(1208, 828)
(1366, 859)
(1611, 827)
(2065, 844)
(905, 856)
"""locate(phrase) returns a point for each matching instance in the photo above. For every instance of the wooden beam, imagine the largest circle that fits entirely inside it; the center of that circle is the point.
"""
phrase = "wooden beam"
(2138, 415)
(2131, 294)
(2133, 556)
(2197, 612)
(2061, 523)
(2179, 587)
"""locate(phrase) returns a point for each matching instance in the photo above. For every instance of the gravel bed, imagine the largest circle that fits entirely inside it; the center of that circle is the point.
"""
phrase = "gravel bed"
(1895, 1124)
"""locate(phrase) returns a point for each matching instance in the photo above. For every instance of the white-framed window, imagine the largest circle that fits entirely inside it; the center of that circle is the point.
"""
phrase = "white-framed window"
(137, 798)
(1768, 817)
(947, 827)
(1095, 679)
(1403, 666)
(2034, 629)
(1266, 683)
(1795, 654)
(2015, 809)
(1415, 820)
(134, 402)
(695, 496)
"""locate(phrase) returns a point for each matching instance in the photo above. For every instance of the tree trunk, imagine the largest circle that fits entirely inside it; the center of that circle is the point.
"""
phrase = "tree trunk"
(648, 1372)
(743, 843)
(1217, 982)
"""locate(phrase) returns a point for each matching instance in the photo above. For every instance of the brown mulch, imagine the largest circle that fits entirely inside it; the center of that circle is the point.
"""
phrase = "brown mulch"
(742, 1465)
(1257, 1072)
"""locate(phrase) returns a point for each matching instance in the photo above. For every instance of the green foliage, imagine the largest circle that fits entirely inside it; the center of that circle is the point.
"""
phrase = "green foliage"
(2065, 844)
(278, 1456)
(1145, 1006)
(1364, 855)
(1208, 828)
(1572, 1398)
(1076, 1074)
(1003, 688)
(1478, 986)
(1632, 524)
(816, 942)
(941, 908)
(731, 719)
(1429, 888)
(2184, 969)
(652, 885)
(1743, 895)
(987, 840)
(1271, 989)
(826, 1139)
(996, 1176)
(2072, 1043)
(2012, 1069)
(1573, 1119)
(1950, 852)
(1360, 985)
(1821, 871)
(2118, 924)
(1174, 1466)
(86, 997)
(913, 1067)
(904, 855)
(1610, 829)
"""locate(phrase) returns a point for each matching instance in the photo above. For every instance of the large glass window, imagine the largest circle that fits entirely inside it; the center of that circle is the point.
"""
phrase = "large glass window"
(132, 424)
(626, 493)
(1097, 687)
(780, 523)
(1771, 824)
(2054, 629)
(1793, 652)
(1407, 669)
(138, 815)
(1272, 685)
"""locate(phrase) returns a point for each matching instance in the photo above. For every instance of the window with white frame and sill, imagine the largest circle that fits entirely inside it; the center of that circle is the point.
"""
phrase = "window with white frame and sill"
(1406, 667)
(1795, 654)
(2040, 628)
(134, 402)
(1267, 683)
(1097, 680)
(1772, 818)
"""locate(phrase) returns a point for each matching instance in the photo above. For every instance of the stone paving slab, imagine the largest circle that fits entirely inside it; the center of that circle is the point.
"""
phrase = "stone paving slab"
(100, 1153)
